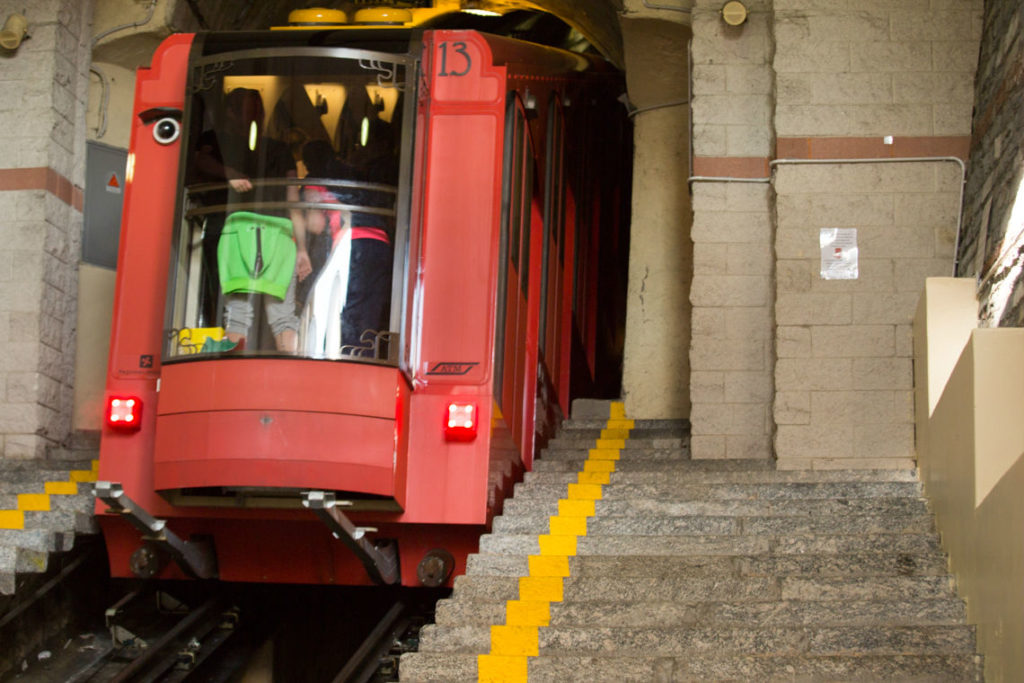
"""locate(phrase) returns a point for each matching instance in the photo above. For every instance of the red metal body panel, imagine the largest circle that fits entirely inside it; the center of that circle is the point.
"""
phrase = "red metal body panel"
(276, 423)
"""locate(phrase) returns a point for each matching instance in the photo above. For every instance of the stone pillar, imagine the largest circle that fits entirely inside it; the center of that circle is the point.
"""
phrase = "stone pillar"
(655, 380)
(42, 165)
(731, 351)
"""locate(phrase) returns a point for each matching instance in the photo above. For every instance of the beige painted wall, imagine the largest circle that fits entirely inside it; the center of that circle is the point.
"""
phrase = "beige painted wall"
(95, 311)
(973, 469)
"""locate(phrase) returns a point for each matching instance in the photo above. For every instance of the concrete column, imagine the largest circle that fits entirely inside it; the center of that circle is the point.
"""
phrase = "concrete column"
(42, 164)
(656, 371)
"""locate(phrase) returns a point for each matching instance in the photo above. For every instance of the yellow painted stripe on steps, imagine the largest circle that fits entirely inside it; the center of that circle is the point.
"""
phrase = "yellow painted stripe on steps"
(34, 502)
(576, 508)
(528, 612)
(40, 502)
(12, 519)
(82, 475)
(513, 643)
(599, 466)
(598, 478)
(604, 454)
(568, 526)
(500, 668)
(557, 545)
(540, 588)
(548, 565)
(514, 640)
(584, 492)
(60, 488)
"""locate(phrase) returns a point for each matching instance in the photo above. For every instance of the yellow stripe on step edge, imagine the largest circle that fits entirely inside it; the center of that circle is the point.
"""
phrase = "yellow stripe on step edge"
(82, 475)
(513, 643)
(34, 502)
(60, 488)
(495, 668)
(12, 519)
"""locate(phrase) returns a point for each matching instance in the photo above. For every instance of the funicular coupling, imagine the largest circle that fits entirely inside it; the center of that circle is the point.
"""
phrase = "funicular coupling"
(380, 560)
(195, 559)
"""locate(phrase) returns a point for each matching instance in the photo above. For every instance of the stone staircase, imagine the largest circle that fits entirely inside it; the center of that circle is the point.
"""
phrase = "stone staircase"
(687, 570)
(44, 505)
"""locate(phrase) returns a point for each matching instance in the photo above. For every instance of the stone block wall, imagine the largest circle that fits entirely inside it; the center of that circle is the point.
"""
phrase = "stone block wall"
(887, 80)
(41, 175)
(732, 292)
(844, 347)
(824, 365)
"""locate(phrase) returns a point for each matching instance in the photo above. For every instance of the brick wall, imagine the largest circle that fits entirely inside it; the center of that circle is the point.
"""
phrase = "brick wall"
(996, 171)
(41, 176)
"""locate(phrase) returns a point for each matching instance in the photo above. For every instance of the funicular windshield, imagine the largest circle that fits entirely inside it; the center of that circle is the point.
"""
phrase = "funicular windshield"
(287, 243)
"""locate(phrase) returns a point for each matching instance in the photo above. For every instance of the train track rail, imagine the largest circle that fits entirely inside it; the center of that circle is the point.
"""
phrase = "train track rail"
(151, 636)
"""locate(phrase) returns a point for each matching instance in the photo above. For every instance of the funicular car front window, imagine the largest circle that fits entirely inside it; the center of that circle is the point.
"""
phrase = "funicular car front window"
(287, 238)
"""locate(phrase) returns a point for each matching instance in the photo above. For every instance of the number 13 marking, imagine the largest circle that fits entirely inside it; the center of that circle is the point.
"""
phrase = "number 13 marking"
(458, 47)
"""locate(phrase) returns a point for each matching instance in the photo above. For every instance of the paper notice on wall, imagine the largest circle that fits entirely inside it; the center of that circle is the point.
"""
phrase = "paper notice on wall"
(838, 253)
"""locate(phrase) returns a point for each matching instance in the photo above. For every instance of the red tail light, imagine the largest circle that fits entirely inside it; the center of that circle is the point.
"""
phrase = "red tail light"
(124, 413)
(460, 422)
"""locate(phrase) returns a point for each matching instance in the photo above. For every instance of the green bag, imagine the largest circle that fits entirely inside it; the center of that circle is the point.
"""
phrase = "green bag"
(256, 253)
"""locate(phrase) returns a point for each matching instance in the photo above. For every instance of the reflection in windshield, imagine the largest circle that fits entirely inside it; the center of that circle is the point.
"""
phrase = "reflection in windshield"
(287, 239)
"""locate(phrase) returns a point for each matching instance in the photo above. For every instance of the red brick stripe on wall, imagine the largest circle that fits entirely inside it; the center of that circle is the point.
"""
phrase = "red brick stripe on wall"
(731, 167)
(42, 178)
(833, 148)
(873, 148)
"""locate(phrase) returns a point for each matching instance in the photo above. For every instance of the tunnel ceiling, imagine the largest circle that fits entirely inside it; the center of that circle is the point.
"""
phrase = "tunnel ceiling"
(596, 19)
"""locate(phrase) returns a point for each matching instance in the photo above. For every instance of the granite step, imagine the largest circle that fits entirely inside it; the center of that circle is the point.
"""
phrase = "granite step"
(716, 589)
(576, 442)
(43, 540)
(714, 570)
(640, 427)
(816, 565)
(674, 475)
(14, 488)
(720, 491)
(458, 668)
(684, 641)
(741, 508)
(43, 531)
(676, 525)
(657, 613)
(721, 545)
(676, 455)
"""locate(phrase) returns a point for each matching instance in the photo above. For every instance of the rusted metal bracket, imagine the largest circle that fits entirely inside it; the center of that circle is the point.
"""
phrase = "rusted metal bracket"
(380, 561)
(195, 559)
